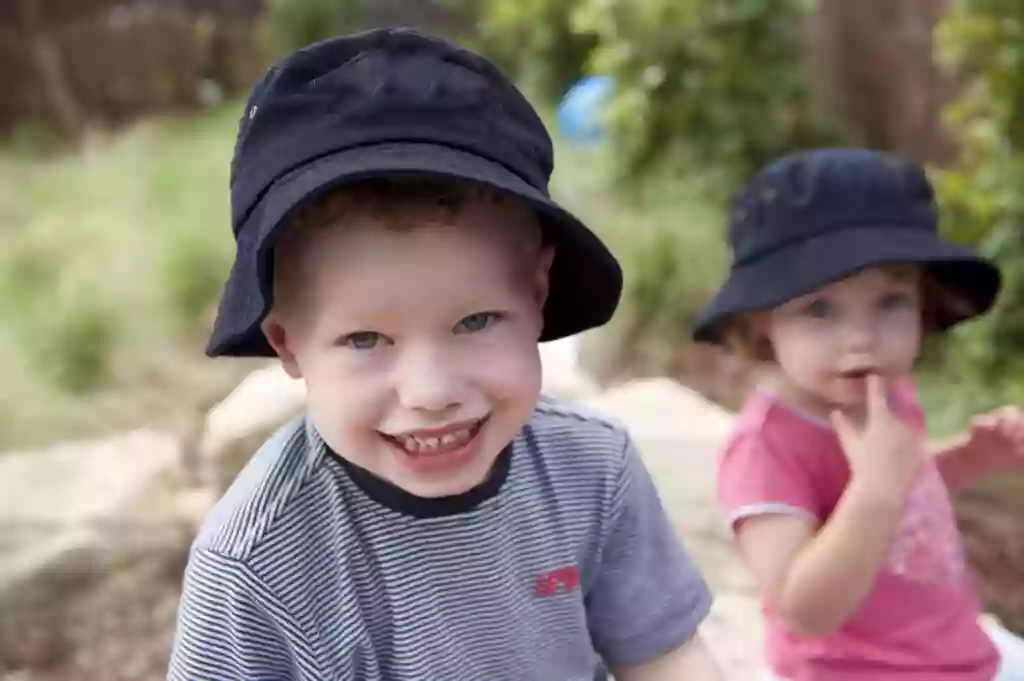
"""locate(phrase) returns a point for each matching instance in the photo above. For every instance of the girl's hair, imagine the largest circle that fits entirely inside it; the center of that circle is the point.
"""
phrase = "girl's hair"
(742, 338)
(939, 306)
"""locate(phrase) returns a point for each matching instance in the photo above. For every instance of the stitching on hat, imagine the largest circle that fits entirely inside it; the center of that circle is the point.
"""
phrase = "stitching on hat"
(800, 180)
(824, 228)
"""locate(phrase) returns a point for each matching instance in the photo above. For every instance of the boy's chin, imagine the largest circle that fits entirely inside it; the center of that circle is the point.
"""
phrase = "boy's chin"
(449, 483)
(429, 490)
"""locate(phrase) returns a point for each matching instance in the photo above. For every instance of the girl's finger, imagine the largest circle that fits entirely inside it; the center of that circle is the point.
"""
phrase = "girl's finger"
(845, 430)
(877, 403)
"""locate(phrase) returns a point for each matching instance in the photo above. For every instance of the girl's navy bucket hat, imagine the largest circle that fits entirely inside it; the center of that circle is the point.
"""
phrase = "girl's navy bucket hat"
(815, 217)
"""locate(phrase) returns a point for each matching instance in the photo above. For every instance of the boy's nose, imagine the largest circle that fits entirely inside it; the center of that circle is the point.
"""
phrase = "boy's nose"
(425, 382)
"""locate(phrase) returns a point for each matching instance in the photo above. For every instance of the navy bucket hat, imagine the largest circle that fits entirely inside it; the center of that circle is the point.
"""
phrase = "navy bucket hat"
(394, 103)
(819, 216)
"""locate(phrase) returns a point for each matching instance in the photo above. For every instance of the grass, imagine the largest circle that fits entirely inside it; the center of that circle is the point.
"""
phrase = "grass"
(109, 262)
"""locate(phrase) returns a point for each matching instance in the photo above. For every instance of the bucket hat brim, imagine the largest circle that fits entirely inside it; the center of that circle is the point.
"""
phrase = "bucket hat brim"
(812, 263)
(585, 278)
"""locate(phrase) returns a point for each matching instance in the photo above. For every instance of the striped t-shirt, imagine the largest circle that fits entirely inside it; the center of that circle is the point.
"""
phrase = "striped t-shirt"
(561, 561)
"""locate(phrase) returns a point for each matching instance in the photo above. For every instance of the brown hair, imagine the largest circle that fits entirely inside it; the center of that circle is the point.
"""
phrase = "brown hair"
(392, 201)
(394, 204)
(742, 338)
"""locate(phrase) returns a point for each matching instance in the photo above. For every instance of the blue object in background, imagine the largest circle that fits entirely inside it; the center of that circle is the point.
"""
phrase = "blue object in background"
(579, 114)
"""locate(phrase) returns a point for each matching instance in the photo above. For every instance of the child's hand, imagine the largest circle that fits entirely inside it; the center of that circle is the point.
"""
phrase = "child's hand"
(885, 453)
(995, 441)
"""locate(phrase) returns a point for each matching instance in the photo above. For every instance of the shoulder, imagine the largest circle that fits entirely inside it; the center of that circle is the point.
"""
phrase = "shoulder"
(261, 493)
(576, 432)
(571, 458)
(764, 423)
(778, 459)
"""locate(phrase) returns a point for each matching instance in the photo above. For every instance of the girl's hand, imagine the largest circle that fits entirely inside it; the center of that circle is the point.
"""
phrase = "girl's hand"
(995, 441)
(885, 453)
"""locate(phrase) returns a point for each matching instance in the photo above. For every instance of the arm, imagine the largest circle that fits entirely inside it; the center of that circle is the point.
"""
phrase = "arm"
(952, 459)
(993, 444)
(228, 625)
(815, 578)
(692, 660)
(647, 599)
(813, 581)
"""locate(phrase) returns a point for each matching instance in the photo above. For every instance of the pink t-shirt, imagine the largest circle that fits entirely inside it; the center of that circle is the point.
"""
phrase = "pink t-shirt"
(920, 620)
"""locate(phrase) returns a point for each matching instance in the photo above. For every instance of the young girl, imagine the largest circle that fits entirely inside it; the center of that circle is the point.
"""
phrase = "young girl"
(839, 506)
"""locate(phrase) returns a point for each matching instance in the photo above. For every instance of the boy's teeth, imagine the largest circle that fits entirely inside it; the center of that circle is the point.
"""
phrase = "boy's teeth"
(432, 444)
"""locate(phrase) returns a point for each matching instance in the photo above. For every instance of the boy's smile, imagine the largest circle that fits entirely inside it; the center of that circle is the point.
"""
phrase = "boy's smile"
(418, 341)
(436, 449)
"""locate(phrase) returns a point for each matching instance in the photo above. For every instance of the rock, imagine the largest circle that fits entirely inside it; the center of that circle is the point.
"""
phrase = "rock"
(61, 499)
(661, 405)
(563, 375)
(192, 505)
(735, 635)
(263, 402)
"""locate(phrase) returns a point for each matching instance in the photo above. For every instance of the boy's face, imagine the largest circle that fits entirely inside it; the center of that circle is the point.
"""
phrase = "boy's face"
(418, 345)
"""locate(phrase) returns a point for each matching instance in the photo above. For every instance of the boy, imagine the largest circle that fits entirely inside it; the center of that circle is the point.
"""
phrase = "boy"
(430, 517)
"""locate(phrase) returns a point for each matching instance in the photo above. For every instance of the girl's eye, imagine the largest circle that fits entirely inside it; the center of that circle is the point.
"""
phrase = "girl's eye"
(818, 309)
(476, 322)
(893, 301)
(364, 340)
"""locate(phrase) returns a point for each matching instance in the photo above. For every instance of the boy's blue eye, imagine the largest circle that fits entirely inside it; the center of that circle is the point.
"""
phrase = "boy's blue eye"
(476, 322)
(364, 340)
(819, 309)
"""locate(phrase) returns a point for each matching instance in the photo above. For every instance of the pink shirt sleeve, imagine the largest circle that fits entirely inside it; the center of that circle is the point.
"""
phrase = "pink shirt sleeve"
(756, 477)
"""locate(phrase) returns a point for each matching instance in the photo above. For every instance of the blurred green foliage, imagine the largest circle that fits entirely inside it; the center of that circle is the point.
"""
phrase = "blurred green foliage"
(290, 24)
(714, 87)
(536, 41)
(982, 194)
(111, 260)
(287, 25)
(717, 88)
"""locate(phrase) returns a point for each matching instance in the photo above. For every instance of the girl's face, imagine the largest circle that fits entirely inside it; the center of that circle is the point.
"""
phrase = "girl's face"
(828, 341)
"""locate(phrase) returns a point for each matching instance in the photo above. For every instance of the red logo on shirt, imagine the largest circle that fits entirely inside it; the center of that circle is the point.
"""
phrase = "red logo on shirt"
(563, 579)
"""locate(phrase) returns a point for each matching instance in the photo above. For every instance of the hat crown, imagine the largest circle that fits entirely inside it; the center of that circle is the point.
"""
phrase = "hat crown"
(380, 86)
(803, 195)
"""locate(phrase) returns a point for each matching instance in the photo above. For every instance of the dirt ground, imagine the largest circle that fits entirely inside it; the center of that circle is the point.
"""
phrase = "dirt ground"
(98, 616)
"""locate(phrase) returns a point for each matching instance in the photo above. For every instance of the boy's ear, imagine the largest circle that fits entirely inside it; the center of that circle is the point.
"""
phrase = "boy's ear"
(277, 337)
(542, 275)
